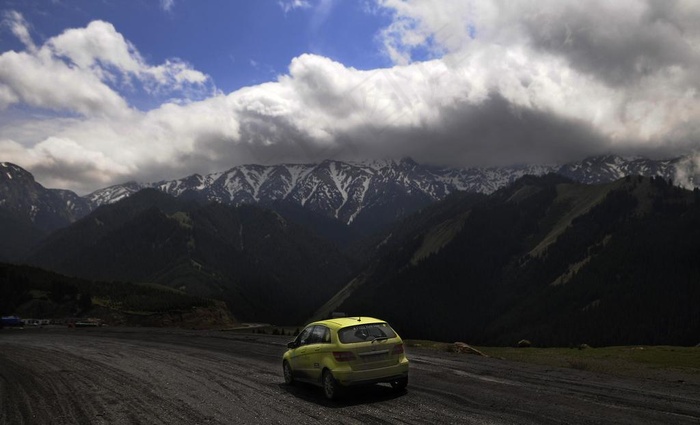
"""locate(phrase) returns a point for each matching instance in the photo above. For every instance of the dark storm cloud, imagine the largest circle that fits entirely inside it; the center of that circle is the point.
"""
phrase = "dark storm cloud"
(618, 49)
(492, 133)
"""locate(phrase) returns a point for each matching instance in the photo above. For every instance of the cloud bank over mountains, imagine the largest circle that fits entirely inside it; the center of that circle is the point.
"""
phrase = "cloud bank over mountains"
(474, 83)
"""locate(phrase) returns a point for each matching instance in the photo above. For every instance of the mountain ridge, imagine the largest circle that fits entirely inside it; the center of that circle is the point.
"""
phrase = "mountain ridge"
(345, 190)
(546, 259)
(365, 196)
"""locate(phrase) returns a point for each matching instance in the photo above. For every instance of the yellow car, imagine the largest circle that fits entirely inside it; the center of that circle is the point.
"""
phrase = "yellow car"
(347, 351)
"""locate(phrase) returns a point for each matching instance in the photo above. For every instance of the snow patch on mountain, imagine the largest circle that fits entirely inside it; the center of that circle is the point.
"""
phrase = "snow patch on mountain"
(347, 190)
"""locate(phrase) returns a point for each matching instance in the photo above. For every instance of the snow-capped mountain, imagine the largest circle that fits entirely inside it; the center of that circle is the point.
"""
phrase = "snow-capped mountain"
(362, 194)
(47, 209)
(602, 169)
(347, 191)
(341, 190)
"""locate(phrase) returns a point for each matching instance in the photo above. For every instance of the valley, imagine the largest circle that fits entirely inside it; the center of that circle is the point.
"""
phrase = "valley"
(545, 258)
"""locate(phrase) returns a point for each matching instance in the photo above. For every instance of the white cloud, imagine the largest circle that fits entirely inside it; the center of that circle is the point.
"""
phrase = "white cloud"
(532, 81)
(66, 161)
(321, 13)
(173, 75)
(627, 68)
(82, 69)
(19, 27)
(687, 171)
(41, 81)
(167, 5)
(289, 5)
(97, 45)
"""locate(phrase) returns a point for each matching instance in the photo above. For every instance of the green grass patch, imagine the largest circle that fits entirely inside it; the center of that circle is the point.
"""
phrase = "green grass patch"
(573, 200)
(438, 237)
(606, 359)
(664, 362)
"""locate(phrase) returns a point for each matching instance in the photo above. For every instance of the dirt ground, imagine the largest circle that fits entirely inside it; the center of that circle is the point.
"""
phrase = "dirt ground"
(165, 376)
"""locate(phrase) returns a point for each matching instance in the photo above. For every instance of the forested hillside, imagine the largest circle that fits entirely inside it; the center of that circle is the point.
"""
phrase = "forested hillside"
(40, 294)
(551, 261)
(263, 266)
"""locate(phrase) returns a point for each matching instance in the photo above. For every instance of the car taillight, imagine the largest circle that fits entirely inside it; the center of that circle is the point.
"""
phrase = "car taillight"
(398, 349)
(343, 356)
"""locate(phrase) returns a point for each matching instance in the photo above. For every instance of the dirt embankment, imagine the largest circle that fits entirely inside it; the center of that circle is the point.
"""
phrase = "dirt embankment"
(216, 316)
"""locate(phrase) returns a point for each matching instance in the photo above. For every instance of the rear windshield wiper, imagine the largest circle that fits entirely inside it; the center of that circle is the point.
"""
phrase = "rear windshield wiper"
(380, 338)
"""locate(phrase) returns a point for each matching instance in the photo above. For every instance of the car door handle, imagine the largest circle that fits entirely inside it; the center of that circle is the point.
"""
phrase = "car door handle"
(318, 349)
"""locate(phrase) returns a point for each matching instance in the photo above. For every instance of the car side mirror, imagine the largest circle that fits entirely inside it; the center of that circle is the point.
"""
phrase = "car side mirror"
(292, 344)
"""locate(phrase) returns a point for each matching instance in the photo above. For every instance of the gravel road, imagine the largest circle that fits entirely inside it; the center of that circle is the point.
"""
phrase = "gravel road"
(164, 376)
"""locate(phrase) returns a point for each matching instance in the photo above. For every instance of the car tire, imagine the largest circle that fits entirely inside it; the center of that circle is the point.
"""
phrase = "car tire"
(399, 384)
(288, 374)
(331, 389)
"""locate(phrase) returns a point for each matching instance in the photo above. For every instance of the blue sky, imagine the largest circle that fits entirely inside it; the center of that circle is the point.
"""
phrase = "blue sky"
(236, 43)
(98, 92)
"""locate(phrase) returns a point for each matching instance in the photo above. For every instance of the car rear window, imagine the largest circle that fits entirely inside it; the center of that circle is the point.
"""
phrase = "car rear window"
(368, 332)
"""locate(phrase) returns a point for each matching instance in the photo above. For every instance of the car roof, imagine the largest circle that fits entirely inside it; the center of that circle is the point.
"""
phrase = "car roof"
(342, 322)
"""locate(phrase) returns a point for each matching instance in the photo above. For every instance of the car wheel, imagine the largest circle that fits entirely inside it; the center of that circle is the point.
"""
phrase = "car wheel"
(399, 384)
(330, 385)
(288, 375)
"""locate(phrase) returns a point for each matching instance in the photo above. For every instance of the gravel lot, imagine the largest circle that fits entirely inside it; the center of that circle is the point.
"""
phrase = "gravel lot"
(166, 376)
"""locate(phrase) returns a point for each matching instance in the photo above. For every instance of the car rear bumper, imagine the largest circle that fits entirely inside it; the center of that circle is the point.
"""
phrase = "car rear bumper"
(373, 376)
